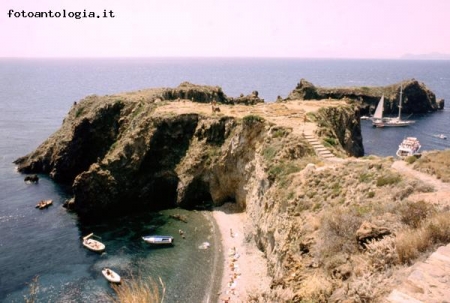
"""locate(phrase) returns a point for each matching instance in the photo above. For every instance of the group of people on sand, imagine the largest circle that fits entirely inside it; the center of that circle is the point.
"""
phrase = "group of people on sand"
(233, 257)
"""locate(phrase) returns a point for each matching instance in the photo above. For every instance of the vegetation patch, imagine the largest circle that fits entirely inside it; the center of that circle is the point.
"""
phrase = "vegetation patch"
(339, 226)
(270, 152)
(435, 163)
(327, 142)
(411, 242)
(413, 213)
(137, 290)
(79, 111)
(252, 119)
(388, 179)
(283, 169)
(212, 153)
(411, 159)
(365, 177)
(279, 132)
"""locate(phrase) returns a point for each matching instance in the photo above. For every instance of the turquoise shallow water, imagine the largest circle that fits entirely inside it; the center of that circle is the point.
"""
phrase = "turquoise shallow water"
(35, 95)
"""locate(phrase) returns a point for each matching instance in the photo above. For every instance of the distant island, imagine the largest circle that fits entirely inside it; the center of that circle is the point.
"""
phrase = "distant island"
(428, 56)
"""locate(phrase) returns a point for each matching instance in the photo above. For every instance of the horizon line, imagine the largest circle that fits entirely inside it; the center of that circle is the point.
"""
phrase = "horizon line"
(401, 58)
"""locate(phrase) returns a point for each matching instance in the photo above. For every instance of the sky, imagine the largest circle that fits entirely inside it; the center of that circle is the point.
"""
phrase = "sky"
(227, 28)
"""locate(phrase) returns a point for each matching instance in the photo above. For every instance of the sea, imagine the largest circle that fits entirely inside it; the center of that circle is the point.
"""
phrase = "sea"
(35, 96)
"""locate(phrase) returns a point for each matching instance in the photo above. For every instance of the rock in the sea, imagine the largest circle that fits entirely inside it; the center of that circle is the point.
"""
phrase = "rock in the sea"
(32, 178)
(416, 96)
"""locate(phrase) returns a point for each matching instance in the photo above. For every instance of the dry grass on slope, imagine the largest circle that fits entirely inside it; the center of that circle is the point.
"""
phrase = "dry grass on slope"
(435, 163)
(411, 242)
(327, 205)
(138, 291)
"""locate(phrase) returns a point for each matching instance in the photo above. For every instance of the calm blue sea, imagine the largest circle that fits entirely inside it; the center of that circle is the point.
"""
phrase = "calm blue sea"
(35, 95)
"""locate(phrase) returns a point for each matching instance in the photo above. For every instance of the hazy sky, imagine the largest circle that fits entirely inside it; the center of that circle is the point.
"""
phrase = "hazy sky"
(250, 28)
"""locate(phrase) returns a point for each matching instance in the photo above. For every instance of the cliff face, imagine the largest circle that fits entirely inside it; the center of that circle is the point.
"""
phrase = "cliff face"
(126, 152)
(341, 128)
(417, 98)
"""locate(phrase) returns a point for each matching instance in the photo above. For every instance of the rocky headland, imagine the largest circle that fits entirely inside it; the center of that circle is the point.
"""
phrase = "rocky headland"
(417, 98)
(330, 229)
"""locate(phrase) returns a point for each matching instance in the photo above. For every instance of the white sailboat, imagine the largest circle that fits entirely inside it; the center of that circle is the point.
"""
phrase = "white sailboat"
(379, 121)
(378, 115)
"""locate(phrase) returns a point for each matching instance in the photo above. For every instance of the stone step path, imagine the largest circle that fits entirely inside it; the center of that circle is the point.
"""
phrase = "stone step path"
(429, 282)
(320, 150)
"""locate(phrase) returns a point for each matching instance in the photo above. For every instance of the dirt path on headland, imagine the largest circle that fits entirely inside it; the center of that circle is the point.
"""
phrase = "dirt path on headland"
(441, 193)
(290, 114)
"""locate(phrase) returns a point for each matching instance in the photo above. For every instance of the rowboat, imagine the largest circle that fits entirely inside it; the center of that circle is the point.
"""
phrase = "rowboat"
(44, 204)
(111, 275)
(158, 240)
(92, 244)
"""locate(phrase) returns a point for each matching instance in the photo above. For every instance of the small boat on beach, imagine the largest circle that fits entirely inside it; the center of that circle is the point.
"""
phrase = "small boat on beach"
(92, 244)
(44, 204)
(410, 146)
(111, 275)
(158, 240)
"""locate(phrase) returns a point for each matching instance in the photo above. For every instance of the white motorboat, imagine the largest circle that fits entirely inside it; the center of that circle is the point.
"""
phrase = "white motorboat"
(158, 240)
(93, 244)
(111, 275)
(410, 146)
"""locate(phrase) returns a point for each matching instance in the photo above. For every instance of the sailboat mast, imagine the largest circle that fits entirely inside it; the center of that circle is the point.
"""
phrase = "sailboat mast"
(400, 103)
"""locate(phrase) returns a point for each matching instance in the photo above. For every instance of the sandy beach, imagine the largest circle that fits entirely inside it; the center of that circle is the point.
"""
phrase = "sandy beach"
(245, 268)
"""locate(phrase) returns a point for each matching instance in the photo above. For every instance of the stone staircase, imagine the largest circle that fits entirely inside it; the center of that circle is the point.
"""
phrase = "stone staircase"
(429, 282)
(321, 150)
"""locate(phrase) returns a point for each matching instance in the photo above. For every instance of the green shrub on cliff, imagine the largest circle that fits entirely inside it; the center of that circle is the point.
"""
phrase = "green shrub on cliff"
(329, 142)
(252, 119)
(283, 169)
(270, 152)
(79, 112)
(410, 160)
(388, 179)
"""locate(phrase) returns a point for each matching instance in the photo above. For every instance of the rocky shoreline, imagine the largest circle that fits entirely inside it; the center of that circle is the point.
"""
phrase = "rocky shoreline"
(192, 146)
(417, 98)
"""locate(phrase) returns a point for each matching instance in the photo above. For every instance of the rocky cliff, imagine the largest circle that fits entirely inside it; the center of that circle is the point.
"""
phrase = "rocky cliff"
(417, 98)
(129, 152)
(162, 148)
